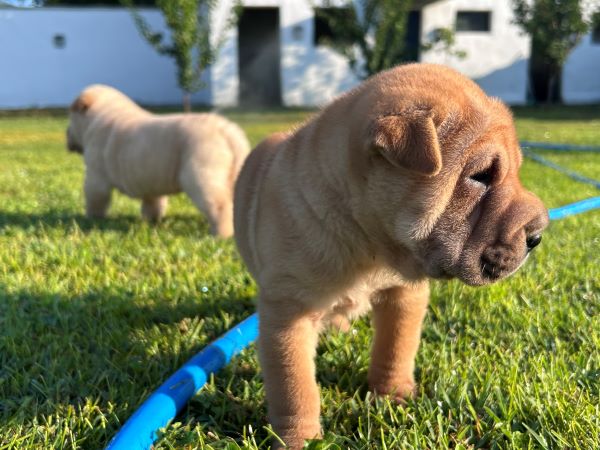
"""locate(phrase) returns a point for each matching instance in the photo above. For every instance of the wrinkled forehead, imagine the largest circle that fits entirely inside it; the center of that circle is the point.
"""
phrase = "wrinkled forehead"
(502, 136)
(486, 130)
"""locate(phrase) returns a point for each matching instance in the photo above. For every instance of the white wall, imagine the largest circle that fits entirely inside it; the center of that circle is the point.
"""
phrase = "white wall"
(581, 73)
(497, 60)
(224, 72)
(102, 46)
(310, 76)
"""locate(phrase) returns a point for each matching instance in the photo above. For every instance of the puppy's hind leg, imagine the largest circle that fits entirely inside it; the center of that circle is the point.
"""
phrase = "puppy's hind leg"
(213, 198)
(397, 316)
(221, 217)
(97, 196)
(154, 208)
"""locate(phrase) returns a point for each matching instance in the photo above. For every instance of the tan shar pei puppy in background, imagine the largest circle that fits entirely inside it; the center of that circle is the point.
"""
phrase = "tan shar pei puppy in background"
(149, 156)
(410, 176)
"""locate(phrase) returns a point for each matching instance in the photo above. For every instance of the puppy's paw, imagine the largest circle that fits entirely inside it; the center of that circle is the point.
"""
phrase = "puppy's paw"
(154, 209)
(292, 442)
(400, 390)
(339, 322)
(92, 214)
(295, 434)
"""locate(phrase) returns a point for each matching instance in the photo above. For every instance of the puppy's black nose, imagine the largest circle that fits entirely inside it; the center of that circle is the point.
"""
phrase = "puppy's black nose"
(533, 241)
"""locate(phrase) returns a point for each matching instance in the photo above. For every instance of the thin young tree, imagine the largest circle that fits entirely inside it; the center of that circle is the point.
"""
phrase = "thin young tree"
(444, 41)
(190, 44)
(369, 33)
(555, 27)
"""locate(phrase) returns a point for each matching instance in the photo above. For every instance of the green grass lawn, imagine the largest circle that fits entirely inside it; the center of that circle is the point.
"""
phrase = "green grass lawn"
(94, 315)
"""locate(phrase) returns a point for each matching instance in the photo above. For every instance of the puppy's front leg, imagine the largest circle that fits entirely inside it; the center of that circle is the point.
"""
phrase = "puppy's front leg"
(97, 195)
(286, 349)
(154, 208)
(397, 316)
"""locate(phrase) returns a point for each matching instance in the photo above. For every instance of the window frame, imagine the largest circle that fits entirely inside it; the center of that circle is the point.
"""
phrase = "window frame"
(488, 21)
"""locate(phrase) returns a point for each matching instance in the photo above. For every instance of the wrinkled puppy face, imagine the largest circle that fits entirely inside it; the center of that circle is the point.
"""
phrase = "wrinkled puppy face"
(490, 223)
(77, 118)
(463, 213)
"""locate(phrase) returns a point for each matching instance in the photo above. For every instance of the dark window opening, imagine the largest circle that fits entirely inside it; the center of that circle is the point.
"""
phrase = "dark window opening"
(59, 41)
(327, 20)
(473, 21)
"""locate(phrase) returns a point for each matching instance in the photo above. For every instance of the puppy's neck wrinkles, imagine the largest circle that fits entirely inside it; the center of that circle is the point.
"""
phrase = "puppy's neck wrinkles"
(319, 155)
(314, 201)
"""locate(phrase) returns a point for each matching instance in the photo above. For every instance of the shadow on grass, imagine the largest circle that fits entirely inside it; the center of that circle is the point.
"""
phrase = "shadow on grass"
(104, 349)
(557, 112)
(195, 224)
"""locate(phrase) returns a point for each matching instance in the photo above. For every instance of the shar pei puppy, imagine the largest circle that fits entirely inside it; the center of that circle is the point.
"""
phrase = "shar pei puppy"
(149, 157)
(412, 175)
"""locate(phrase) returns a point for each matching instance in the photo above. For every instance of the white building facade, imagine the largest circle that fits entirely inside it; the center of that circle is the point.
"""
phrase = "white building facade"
(309, 74)
(48, 55)
(496, 51)
(271, 57)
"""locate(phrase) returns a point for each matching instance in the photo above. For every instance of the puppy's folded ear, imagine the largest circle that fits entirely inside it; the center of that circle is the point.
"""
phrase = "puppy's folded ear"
(82, 103)
(408, 140)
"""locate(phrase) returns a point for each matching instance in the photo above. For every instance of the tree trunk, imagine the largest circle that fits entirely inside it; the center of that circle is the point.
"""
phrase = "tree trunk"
(187, 102)
(551, 89)
(545, 76)
(556, 86)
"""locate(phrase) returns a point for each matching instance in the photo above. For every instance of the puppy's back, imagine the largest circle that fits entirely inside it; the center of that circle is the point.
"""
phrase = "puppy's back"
(237, 143)
(97, 97)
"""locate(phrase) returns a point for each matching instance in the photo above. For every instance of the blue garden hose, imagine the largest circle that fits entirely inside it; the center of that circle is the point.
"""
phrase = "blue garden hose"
(571, 174)
(574, 208)
(140, 431)
(560, 147)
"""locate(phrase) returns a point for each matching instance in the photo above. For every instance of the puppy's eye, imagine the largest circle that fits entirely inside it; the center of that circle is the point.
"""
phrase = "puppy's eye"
(483, 177)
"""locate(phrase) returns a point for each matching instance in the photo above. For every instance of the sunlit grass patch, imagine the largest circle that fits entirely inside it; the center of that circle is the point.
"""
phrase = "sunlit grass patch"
(94, 315)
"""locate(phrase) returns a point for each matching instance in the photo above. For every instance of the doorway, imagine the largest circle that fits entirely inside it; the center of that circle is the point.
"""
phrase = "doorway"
(259, 58)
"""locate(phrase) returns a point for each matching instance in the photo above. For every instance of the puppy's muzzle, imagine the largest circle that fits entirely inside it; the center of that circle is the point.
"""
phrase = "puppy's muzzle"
(73, 146)
(499, 261)
(506, 255)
